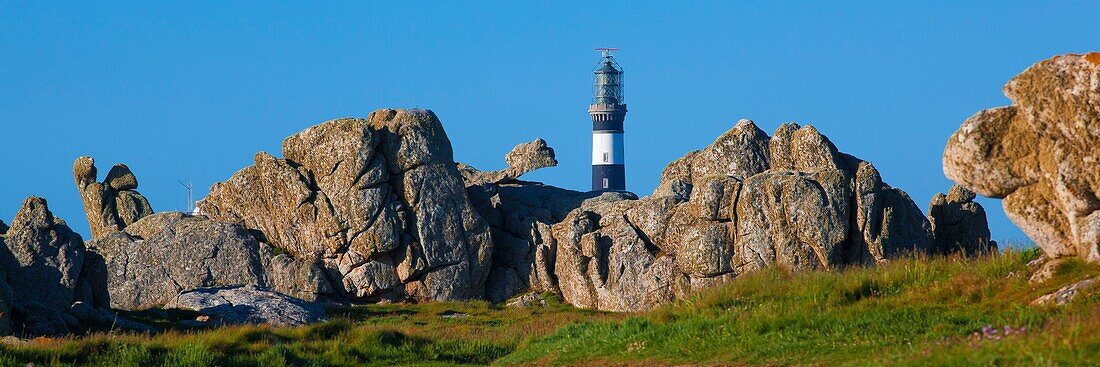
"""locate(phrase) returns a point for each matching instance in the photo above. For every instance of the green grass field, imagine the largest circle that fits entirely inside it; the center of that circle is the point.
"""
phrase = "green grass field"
(910, 312)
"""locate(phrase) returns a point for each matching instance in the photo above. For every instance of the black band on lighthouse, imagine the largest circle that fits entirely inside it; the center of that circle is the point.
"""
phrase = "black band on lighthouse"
(609, 177)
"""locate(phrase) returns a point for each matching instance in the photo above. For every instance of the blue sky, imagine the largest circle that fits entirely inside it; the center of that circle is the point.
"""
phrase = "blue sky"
(192, 90)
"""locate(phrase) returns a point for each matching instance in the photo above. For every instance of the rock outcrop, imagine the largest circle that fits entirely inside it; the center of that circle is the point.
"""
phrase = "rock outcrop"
(1040, 154)
(523, 158)
(42, 260)
(248, 305)
(519, 215)
(44, 257)
(113, 204)
(959, 224)
(378, 201)
(1067, 293)
(746, 202)
(152, 261)
(741, 152)
(381, 206)
(46, 287)
(887, 223)
(169, 253)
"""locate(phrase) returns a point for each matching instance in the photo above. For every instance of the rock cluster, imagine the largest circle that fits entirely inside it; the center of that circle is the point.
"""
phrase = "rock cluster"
(746, 202)
(377, 202)
(959, 223)
(1040, 154)
(113, 204)
(376, 209)
(46, 286)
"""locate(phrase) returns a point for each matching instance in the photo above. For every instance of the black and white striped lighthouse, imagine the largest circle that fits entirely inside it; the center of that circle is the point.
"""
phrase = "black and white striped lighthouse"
(608, 110)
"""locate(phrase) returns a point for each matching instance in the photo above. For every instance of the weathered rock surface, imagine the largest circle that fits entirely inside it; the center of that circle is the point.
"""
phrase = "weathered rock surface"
(161, 255)
(44, 257)
(741, 152)
(523, 158)
(1066, 294)
(1040, 154)
(42, 260)
(793, 219)
(377, 209)
(113, 204)
(301, 279)
(1044, 268)
(746, 202)
(379, 201)
(172, 253)
(959, 223)
(248, 305)
(888, 223)
(47, 286)
(519, 215)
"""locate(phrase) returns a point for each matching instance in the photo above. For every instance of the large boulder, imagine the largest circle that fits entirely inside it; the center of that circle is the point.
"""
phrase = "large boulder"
(159, 256)
(802, 148)
(888, 224)
(1040, 154)
(113, 204)
(379, 201)
(605, 263)
(248, 305)
(168, 253)
(959, 223)
(528, 157)
(43, 258)
(519, 215)
(46, 273)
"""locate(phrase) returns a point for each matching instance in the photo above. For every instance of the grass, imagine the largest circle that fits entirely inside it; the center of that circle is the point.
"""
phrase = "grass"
(909, 312)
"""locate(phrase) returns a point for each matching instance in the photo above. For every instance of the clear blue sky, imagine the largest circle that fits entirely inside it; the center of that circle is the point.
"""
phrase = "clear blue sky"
(192, 90)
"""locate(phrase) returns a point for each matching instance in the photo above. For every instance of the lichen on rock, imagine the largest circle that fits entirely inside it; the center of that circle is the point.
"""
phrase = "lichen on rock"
(378, 201)
(1040, 154)
(113, 204)
(745, 202)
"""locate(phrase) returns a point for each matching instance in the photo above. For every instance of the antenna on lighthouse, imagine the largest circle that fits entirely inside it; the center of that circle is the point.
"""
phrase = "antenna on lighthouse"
(607, 51)
(190, 195)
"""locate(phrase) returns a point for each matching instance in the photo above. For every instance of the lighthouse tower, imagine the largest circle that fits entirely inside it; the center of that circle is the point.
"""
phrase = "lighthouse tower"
(608, 110)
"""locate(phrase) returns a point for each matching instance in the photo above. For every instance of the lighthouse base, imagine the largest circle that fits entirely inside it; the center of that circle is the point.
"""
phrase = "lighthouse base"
(608, 177)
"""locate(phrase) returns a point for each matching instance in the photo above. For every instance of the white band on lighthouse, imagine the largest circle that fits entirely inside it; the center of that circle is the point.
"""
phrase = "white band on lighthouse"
(607, 148)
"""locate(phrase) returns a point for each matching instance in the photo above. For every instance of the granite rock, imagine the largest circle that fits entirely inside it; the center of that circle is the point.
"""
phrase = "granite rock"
(959, 223)
(1040, 154)
(110, 205)
(379, 202)
(248, 305)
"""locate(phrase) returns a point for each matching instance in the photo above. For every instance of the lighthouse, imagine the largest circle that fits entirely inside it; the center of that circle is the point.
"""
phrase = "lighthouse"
(608, 110)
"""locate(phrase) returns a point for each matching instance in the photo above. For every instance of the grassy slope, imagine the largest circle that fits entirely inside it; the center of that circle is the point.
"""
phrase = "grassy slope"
(911, 312)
